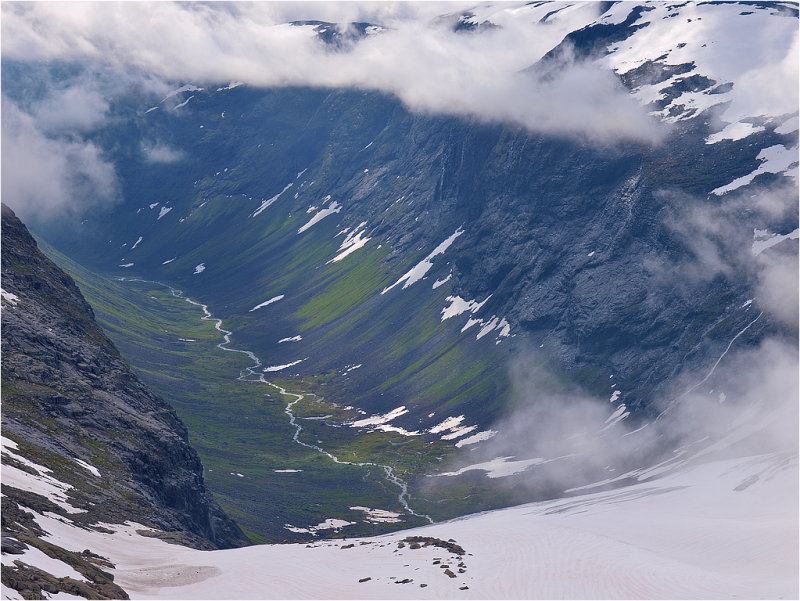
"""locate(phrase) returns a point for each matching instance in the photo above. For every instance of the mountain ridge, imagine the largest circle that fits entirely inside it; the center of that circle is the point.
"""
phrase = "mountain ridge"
(101, 446)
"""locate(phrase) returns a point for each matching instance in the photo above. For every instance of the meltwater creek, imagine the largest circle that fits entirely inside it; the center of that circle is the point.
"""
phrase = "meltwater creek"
(251, 374)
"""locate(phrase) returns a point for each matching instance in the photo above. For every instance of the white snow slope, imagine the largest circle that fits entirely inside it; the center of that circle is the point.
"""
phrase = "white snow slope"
(718, 530)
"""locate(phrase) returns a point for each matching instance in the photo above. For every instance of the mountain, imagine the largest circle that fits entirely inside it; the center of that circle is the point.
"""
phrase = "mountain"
(351, 208)
(83, 438)
(392, 269)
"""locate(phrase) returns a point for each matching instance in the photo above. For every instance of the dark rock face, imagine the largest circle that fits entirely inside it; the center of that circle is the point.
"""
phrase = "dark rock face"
(67, 395)
(573, 244)
(569, 242)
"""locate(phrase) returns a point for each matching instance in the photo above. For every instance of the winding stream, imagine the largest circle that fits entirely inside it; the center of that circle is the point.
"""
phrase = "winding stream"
(250, 374)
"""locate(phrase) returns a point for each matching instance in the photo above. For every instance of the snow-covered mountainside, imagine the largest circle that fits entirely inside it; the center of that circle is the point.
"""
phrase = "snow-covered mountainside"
(393, 265)
(724, 529)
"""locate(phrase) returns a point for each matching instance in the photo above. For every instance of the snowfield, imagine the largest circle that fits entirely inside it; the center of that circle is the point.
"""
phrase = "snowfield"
(718, 530)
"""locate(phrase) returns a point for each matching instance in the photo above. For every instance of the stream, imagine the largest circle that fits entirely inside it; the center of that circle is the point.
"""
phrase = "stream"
(250, 374)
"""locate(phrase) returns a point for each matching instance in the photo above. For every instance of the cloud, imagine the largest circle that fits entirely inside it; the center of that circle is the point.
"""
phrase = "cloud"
(748, 407)
(722, 236)
(46, 177)
(158, 152)
(77, 108)
(416, 57)
(777, 287)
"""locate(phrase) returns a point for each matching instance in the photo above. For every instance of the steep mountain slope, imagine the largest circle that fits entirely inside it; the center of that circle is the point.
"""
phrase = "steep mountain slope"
(83, 437)
(332, 204)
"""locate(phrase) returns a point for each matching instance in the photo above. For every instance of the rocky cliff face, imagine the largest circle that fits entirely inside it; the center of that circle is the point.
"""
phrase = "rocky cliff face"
(336, 201)
(96, 444)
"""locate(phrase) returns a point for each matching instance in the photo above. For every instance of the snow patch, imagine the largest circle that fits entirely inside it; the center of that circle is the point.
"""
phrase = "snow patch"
(438, 283)
(734, 131)
(297, 338)
(163, 211)
(396, 430)
(450, 423)
(505, 328)
(459, 432)
(789, 126)
(199, 268)
(185, 102)
(377, 420)
(329, 524)
(475, 438)
(378, 516)
(265, 204)
(40, 483)
(186, 88)
(775, 159)
(352, 243)
(38, 559)
(9, 297)
(335, 207)
(136, 243)
(762, 240)
(499, 467)
(88, 467)
(417, 272)
(458, 306)
(488, 327)
(280, 367)
(616, 417)
(274, 299)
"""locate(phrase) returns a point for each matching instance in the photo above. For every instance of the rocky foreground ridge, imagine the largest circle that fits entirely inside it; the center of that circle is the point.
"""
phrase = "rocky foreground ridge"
(83, 437)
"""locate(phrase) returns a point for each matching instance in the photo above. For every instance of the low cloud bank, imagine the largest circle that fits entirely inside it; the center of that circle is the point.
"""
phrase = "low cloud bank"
(749, 407)
(413, 55)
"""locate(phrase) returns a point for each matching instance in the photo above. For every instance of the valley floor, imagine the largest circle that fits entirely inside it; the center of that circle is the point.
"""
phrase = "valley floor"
(723, 529)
